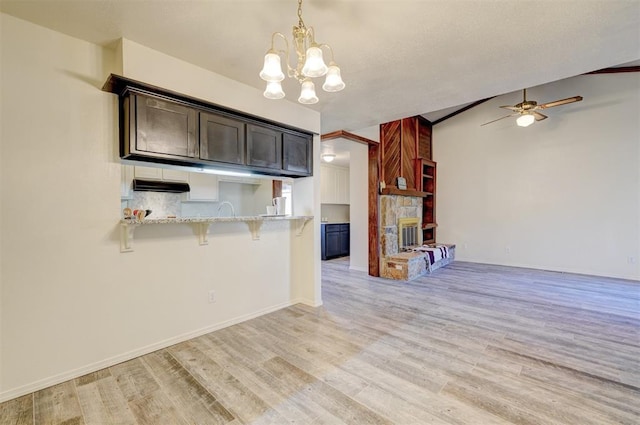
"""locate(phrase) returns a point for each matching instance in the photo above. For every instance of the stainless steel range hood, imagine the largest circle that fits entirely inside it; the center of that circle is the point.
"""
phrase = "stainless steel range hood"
(158, 186)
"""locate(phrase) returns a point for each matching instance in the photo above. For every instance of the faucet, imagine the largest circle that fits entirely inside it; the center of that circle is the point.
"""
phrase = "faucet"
(222, 204)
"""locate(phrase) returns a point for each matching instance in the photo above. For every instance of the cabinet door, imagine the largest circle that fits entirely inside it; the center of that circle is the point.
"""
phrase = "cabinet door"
(175, 176)
(203, 187)
(344, 239)
(165, 127)
(297, 153)
(342, 186)
(326, 184)
(264, 147)
(222, 139)
(147, 173)
(333, 244)
(334, 185)
(162, 174)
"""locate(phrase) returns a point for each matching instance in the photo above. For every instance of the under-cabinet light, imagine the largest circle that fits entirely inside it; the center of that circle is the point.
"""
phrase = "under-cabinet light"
(225, 173)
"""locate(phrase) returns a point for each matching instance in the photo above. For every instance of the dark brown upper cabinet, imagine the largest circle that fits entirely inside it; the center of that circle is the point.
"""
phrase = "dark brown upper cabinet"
(162, 126)
(222, 139)
(264, 147)
(297, 154)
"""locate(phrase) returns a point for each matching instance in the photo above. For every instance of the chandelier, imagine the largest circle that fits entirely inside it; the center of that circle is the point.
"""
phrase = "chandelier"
(310, 65)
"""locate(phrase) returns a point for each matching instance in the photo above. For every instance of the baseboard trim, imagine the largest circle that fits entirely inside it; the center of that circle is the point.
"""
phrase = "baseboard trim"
(359, 269)
(556, 269)
(305, 301)
(93, 367)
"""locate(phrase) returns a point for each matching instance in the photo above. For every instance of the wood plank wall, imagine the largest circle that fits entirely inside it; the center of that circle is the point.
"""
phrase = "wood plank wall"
(390, 155)
(409, 153)
(403, 143)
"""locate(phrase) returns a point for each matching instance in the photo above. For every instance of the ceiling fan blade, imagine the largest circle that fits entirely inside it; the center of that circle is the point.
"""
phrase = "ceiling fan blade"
(560, 102)
(539, 116)
(512, 108)
(506, 116)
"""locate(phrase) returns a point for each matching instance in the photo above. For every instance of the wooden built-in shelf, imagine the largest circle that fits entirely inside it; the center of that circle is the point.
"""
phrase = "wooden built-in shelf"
(389, 190)
(429, 226)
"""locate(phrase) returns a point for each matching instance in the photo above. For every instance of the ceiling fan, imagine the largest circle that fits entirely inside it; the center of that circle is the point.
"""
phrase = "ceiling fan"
(527, 110)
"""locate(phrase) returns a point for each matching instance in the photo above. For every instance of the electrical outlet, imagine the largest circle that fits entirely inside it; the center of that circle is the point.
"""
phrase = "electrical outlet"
(212, 296)
(507, 249)
(631, 260)
(465, 246)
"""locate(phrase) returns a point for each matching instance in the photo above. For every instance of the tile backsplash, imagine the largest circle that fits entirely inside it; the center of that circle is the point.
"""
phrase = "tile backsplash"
(200, 209)
(161, 204)
(247, 200)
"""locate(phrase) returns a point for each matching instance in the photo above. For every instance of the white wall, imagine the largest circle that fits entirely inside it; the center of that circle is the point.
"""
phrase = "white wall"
(359, 206)
(67, 291)
(371, 133)
(562, 194)
(359, 178)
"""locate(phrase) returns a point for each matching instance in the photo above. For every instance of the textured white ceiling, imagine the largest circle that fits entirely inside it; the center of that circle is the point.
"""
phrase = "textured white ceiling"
(398, 58)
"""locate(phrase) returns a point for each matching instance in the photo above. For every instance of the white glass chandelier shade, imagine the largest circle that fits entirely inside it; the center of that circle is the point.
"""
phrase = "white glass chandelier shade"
(308, 93)
(333, 81)
(525, 120)
(314, 65)
(328, 157)
(272, 70)
(274, 90)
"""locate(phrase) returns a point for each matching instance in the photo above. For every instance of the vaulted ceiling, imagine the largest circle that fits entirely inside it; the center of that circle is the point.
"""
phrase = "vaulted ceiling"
(398, 57)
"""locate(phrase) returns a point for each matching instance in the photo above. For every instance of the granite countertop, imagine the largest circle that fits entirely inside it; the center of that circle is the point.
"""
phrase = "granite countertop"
(214, 219)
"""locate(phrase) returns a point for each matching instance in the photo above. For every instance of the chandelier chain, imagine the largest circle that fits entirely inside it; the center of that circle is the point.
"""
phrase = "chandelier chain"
(300, 21)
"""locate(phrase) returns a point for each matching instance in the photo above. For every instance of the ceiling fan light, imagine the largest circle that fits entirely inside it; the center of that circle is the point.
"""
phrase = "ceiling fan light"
(308, 93)
(314, 65)
(333, 82)
(272, 71)
(274, 90)
(328, 157)
(525, 120)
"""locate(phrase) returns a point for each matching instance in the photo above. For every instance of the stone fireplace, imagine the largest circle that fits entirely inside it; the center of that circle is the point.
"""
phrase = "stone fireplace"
(400, 224)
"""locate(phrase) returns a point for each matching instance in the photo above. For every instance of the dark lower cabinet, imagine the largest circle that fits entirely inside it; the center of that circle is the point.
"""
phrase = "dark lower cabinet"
(164, 127)
(334, 240)
(222, 139)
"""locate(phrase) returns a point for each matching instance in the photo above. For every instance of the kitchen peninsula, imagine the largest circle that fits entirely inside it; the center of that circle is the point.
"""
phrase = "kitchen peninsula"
(203, 224)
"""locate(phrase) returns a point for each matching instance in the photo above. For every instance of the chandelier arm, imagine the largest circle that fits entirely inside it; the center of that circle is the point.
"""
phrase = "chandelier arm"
(273, 39)
(291, 72)
(330, 51)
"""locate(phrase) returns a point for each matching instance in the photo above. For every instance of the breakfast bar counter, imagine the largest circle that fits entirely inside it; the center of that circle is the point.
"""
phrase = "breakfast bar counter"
(128, 226)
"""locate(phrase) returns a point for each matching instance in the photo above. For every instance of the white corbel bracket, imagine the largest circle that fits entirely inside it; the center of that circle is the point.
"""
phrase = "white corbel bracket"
(301, 224)
(126, 236)
(254, 228)
(203, 233)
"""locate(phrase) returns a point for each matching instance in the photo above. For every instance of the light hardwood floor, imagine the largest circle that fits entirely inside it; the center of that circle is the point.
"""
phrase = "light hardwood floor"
(470, 344)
